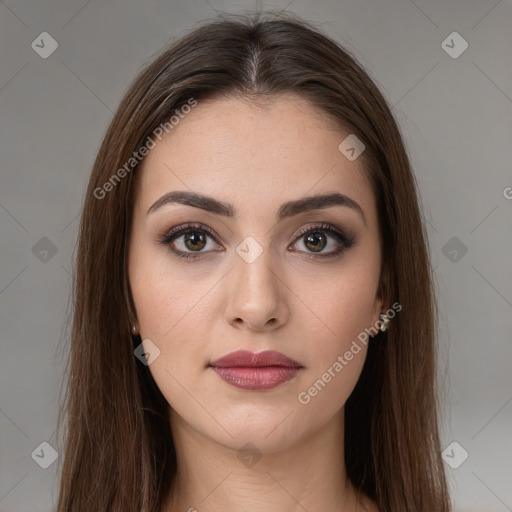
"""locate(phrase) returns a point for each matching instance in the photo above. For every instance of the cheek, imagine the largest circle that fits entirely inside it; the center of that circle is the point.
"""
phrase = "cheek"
(176, 309)
(342, 306)
(340, 303)
(173, 311)
(338, 351)
(165, 297)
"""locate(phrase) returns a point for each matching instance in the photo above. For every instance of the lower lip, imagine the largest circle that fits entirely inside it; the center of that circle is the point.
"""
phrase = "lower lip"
(256, 378)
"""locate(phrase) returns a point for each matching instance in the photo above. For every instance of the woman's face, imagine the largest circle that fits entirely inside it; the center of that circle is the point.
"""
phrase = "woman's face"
(257, 280)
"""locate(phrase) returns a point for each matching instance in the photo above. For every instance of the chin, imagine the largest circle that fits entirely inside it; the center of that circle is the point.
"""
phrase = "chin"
(250, 438)
(269, 427)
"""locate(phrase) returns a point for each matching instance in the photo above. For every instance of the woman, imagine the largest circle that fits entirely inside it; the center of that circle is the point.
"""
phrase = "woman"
(254, 313)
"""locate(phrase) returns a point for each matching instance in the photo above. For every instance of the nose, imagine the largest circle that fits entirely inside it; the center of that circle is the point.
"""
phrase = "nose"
(258, 294)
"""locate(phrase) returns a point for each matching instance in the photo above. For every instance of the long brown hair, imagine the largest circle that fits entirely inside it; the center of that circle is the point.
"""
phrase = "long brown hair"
(119, 455)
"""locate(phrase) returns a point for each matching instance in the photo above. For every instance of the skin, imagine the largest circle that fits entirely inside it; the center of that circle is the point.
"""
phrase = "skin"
(255, 157)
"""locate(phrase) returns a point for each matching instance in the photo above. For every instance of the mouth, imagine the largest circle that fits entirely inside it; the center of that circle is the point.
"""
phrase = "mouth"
(263, 370)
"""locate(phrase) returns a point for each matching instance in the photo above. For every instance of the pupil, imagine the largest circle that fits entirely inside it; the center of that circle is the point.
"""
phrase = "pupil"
(191, 240)
(313, 239)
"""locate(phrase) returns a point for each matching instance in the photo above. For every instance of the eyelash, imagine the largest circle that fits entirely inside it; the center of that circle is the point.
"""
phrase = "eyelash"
(346, 242)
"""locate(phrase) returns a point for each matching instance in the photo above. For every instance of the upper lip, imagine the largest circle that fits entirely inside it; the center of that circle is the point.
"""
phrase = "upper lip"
(247, 358)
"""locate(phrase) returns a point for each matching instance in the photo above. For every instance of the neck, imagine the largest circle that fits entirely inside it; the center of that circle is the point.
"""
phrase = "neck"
(307, 476)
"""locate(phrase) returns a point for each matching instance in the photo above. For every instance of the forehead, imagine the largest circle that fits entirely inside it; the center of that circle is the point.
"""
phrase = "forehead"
(253, 155)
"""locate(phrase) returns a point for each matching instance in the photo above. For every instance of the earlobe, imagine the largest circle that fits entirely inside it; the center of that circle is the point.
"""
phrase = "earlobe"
(133, 324)
(384, 319)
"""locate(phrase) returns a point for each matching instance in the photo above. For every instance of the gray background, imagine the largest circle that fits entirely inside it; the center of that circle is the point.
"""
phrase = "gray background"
(456, 117)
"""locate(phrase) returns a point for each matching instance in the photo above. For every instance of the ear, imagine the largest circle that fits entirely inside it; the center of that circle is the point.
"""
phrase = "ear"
(382, 298)
(130, 311)
(132, 318)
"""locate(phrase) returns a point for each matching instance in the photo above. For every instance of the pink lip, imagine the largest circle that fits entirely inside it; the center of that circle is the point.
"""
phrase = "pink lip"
(264, 370)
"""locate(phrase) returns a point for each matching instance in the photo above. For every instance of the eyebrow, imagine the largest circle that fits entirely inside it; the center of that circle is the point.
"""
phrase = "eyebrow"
(288, 209)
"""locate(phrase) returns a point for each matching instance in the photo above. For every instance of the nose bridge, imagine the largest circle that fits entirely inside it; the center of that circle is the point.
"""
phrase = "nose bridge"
(255, 268)
(257, 290)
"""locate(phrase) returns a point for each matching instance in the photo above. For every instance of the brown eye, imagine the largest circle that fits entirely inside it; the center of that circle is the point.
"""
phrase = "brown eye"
(315, 241)
(188, 241)
(323, 236)
(195, 240)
